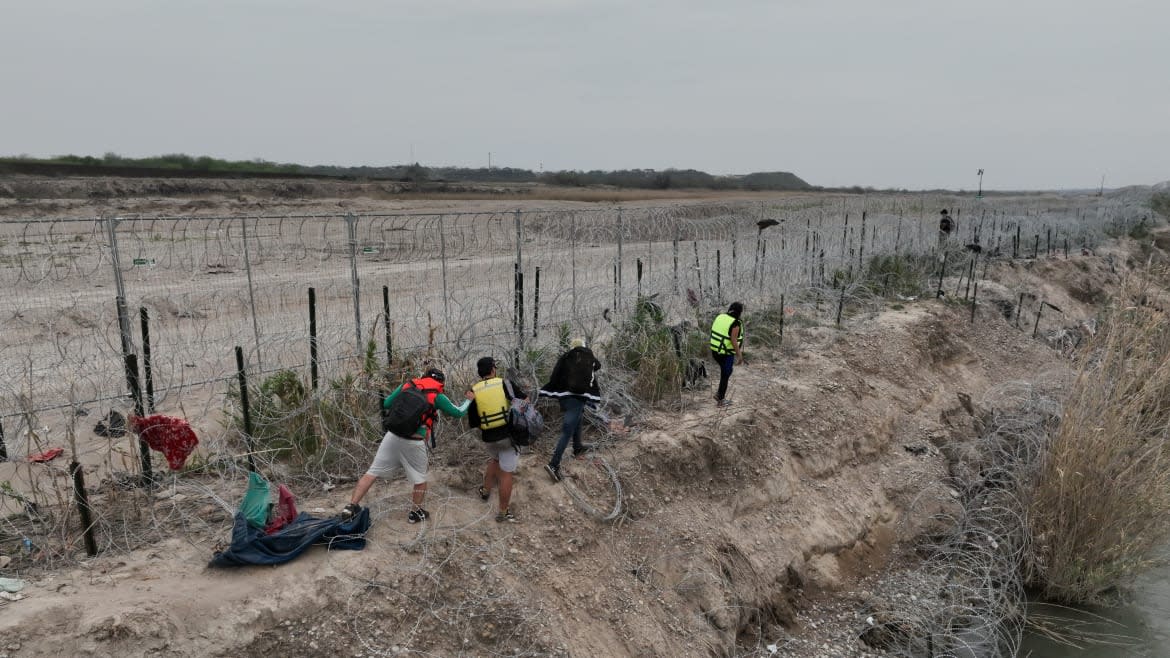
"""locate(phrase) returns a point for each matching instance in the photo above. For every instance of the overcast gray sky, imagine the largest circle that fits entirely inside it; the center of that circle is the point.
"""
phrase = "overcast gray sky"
(904, 93)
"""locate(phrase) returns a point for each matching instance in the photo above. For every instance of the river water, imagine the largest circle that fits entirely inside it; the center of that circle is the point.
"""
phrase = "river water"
(1145, 622)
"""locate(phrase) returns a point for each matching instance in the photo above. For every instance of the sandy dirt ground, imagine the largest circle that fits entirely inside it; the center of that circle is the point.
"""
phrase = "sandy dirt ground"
(773, 527)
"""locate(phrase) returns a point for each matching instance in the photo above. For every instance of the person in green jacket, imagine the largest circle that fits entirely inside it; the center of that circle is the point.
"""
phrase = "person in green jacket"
(727, 347)
(409, 453)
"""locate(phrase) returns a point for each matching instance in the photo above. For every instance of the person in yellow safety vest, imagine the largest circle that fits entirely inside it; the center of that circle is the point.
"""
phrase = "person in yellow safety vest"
(489, 412)
(727, 347)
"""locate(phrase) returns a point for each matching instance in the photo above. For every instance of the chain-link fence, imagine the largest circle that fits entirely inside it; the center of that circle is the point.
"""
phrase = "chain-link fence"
(94, 308)
(465, 282)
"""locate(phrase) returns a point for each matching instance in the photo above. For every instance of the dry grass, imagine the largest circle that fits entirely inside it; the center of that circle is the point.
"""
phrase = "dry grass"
(1102, 494)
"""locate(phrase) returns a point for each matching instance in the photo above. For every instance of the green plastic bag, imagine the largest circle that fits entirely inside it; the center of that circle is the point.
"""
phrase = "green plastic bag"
(254, 506)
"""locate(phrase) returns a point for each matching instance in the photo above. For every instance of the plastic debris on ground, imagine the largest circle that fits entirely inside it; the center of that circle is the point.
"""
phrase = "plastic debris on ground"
(11, 585)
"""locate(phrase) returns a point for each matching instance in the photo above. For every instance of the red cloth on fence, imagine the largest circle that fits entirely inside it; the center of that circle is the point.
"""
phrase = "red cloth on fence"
(51, 453)
(286, 510)
(173, 437)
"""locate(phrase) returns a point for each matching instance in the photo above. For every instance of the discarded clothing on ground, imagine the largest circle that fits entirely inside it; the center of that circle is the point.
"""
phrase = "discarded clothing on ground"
(173, 437)
(254, 505)
(285, 512)
(112, 426)
(48, 455)
(251, 546)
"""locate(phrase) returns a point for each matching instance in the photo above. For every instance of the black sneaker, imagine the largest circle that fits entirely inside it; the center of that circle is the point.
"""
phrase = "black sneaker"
(484, 494)
(585, 447)
(417, 515)
(349, 511)
(506, 516)
(554, 472)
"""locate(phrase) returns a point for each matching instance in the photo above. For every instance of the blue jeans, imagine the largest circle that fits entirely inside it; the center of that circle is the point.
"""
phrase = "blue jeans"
(570, 428)
(726, 364)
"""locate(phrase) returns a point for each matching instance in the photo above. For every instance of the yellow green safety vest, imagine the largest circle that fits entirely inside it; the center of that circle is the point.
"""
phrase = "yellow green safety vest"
(721, 334)
(491, 403)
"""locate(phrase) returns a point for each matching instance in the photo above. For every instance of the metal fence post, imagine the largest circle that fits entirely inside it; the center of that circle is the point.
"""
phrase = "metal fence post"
(443, 265)
(620, 301)
(81, 497)
(639, 261)
(675, 247)
(536, 303)
(573, 258)
(351, 230)
(861, 246)
(251, 287)
(147, 371)
(518, 282)
(386, 321)
(718, 277)
(313, 337)
(136, 393)
(119, 287)
(244, 407)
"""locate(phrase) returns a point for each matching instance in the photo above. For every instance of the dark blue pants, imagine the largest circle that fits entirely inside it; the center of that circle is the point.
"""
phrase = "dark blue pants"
(726, 364)
(570, 428)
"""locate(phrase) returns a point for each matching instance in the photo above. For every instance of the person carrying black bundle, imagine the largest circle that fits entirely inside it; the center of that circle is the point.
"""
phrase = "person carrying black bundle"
(574, 384)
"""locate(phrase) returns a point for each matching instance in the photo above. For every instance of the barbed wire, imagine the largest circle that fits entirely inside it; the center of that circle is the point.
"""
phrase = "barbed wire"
(450, 281)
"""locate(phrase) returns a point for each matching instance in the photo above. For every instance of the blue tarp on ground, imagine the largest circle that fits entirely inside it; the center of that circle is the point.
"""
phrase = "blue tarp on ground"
(252, 546)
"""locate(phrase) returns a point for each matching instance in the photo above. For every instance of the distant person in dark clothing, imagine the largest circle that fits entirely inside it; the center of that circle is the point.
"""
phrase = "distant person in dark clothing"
(574, 384)
(945, 226)
(727, 347)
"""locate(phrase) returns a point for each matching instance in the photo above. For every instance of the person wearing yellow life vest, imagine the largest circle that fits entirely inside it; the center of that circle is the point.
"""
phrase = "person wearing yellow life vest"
(489, 412)
(727, 347)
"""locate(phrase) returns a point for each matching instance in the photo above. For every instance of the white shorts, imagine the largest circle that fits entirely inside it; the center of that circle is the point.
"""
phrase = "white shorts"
(396, 453)
(505, 453)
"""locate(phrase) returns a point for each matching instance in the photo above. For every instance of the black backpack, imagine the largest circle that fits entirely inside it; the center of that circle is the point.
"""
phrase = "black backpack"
(579, 370)
(409, 411)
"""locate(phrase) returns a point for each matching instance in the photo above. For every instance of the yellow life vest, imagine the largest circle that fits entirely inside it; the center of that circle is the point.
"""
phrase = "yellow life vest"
(491, 403)
(721, 334)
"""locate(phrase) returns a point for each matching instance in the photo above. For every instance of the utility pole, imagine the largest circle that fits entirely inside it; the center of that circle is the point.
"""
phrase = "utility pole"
(1101, 190)
(489, 160)
(979, 195)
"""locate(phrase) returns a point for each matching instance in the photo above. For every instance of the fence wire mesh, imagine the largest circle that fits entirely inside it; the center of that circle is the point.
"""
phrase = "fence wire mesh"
(448, 287)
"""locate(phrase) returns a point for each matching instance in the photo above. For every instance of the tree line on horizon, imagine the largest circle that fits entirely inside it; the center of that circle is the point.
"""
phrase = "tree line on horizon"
(417, 173)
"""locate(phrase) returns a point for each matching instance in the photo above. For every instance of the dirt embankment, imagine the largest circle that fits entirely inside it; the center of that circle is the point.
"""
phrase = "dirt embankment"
(744, 530)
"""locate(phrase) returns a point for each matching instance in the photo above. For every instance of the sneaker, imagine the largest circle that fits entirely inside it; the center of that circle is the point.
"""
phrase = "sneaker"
(585, 447)
(484, 494)
(723, 403)
(417, 515)
(349, 511)
(554, 472)
(506, 515)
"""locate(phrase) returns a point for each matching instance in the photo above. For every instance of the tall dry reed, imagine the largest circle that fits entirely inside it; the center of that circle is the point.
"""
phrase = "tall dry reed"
(1100, 502)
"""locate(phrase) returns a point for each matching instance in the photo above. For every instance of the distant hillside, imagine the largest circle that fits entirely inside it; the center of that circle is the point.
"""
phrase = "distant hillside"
(186, 166)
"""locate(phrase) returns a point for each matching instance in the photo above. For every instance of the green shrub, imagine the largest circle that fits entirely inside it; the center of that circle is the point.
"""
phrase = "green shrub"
(290, 424)
(644, 346)
(903, 275)
(281, 423)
